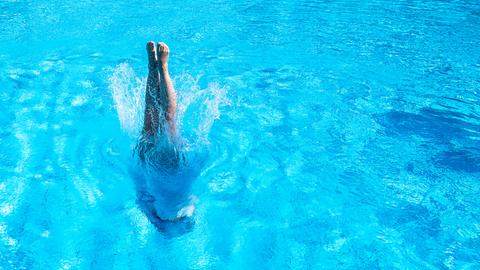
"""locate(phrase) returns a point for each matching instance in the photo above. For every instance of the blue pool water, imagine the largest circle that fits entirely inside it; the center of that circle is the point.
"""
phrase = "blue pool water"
(324, 134)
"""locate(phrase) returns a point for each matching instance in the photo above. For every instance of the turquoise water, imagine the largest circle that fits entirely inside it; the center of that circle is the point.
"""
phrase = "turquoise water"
(321, 134)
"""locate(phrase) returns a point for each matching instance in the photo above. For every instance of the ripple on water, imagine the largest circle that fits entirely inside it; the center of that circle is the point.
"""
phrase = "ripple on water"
(267, 116)
(226, 152)
(225, 183)
(12, 190)
(260, 170)
(353, 140)
(79, 100)
(52, 65)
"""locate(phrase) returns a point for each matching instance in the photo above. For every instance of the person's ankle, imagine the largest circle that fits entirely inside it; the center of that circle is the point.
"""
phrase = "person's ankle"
(163, 66)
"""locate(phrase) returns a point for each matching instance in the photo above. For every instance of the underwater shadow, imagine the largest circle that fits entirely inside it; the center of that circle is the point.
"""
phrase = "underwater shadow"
(465, 160)
(429, 123)
(440, 127)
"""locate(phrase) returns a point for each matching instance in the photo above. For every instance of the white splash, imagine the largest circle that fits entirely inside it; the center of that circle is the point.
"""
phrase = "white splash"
(197, 108)
(128, 95)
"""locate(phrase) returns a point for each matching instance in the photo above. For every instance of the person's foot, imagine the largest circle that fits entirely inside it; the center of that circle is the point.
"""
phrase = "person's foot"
(152, 56)
(163, 51)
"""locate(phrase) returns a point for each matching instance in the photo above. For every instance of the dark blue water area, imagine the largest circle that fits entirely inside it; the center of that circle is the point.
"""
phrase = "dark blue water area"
(444, 128)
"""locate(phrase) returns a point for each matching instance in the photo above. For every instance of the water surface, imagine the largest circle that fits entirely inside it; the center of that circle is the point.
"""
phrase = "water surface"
(335, 134)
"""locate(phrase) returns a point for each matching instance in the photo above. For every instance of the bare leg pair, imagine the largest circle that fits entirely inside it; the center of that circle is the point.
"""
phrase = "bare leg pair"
(160, 97)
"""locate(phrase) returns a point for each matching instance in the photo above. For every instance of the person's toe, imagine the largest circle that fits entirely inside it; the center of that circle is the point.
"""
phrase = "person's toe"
(152, 56)
(163, 52)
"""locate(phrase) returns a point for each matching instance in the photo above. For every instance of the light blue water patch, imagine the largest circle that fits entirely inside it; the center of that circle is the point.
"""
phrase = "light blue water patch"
(319, 134)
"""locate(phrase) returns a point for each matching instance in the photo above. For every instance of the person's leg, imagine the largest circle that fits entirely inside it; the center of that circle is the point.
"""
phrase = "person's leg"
(168, 99)
(151, 116)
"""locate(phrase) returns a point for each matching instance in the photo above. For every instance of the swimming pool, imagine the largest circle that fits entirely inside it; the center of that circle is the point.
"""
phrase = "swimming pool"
(334, 134)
